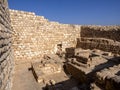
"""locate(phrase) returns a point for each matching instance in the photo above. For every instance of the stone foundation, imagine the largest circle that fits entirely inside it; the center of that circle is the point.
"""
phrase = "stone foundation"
(95, 68)
(46, 69)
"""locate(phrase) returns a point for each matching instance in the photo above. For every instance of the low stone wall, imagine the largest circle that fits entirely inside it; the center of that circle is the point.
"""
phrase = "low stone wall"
(6, 55)
(106, 38)
(35, 35)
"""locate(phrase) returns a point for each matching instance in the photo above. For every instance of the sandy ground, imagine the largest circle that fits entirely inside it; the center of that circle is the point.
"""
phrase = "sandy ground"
(23, 78)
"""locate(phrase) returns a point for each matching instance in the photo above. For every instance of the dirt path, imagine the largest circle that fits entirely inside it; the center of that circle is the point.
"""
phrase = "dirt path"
(23, 78)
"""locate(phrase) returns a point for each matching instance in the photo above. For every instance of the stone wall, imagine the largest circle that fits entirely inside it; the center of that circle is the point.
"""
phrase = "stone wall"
(6, 55)
(35, 35)
(106, 38)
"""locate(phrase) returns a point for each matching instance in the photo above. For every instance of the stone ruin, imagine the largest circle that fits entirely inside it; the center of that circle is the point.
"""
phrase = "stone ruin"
(60, 56)
(45, 68)
(95, 68)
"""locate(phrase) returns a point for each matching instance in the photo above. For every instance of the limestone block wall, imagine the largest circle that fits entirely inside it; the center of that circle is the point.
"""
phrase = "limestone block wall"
(35, 35)
(6, 55)
(106, 38)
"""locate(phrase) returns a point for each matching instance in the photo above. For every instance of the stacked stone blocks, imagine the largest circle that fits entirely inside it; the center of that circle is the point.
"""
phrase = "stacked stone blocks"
(35, 35)
(106, 38)
(6, 55)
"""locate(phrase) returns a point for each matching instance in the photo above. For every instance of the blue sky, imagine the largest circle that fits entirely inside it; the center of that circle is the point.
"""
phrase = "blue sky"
(83, 12)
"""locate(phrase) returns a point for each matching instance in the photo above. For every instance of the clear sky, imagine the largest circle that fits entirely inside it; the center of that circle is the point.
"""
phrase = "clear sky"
(84, 12)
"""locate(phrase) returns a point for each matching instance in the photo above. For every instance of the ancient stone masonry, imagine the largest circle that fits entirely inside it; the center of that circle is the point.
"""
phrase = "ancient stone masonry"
(97, 69)
(105, 38)
(59, 53)
(6, 55)
(46, 68)
(35, 35)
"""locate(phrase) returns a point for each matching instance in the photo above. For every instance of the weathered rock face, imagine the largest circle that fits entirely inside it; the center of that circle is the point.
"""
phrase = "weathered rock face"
(35, 35)
(106, 38)
(6, 55)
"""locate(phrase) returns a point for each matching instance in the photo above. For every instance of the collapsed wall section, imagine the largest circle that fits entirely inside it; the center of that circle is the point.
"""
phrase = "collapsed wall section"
(106, 38)
(35, 35)
(6, 55)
